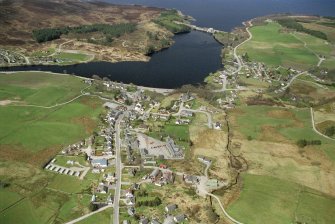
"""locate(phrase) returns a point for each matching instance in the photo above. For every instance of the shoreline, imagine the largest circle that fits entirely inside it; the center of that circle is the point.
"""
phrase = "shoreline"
(164, 91)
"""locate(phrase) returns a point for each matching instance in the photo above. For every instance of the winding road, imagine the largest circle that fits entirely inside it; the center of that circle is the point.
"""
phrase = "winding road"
(223, 210)
(314, 128)
(239, 62)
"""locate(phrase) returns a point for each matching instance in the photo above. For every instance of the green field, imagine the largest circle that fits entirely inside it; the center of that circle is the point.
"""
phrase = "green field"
(270, 200)
(35, 128)
(275, 47)
(290, 124)
(101, 217)
(72, 56)
(30, 136)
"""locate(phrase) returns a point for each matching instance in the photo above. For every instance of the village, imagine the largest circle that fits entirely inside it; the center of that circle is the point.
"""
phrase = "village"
(145, 148)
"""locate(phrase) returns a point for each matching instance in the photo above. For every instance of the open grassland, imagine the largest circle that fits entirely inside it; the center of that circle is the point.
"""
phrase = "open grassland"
(311, 91)
(267, 199)
(30, 136)
(273, 46)
(39, 88)
(29, 199)
(32, 129)
(268, 143)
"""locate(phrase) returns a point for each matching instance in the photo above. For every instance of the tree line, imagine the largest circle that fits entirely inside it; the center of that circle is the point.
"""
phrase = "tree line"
(303, 142)
(110, 31)
(293, 24)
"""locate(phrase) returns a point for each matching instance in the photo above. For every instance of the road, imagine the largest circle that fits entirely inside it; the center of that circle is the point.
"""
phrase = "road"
(224, 211)
(235, 49)
(209, 116)
(89, 214)
(290, 82)
(118, 170)
(314, 128)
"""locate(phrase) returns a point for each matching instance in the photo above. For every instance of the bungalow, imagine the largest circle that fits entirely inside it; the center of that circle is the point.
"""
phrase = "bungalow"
(171, 207)
(101, 163)
(179, 218)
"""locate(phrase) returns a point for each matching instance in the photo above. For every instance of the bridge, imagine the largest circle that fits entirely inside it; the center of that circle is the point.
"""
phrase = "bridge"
(202, 29)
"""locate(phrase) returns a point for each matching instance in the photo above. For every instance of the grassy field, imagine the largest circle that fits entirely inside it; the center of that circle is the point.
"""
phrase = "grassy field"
(30, 136)
(279, 125)
(34, 129)
(101, 217)
(270, 200)
(72, 56)
(275, 47)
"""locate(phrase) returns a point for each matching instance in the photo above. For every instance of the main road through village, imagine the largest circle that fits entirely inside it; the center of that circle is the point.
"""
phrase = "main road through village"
(118, 169)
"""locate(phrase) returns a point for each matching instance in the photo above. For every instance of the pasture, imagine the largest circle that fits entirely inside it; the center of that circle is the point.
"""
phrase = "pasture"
(267, 199)
(273, 46)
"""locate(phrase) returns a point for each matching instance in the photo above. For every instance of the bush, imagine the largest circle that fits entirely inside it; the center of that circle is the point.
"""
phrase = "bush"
(151, 203)
(110, 31)
(330, 131)
(167, 20)
(303, 142)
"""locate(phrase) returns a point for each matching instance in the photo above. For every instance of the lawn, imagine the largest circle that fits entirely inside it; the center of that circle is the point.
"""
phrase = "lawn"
(178, 132)
(275, 47)
(62, 160)
(270, 200)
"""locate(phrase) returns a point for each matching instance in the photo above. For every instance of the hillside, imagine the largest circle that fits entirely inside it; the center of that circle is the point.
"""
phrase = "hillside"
(78, 32)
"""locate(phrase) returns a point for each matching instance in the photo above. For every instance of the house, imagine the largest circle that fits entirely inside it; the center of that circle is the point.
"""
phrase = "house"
(179, 218)
(129, 194)
(93, 198)
(136, 186)
(190, 179)
(154, 173)
(101, 163)
(162, 166)
(144, 221)
(131, 211)
(154, 221)
(130, 201)
(186, 113)
(171, 207)
(110, 199)
(205, 160)
(102, 188)
(217, 125)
